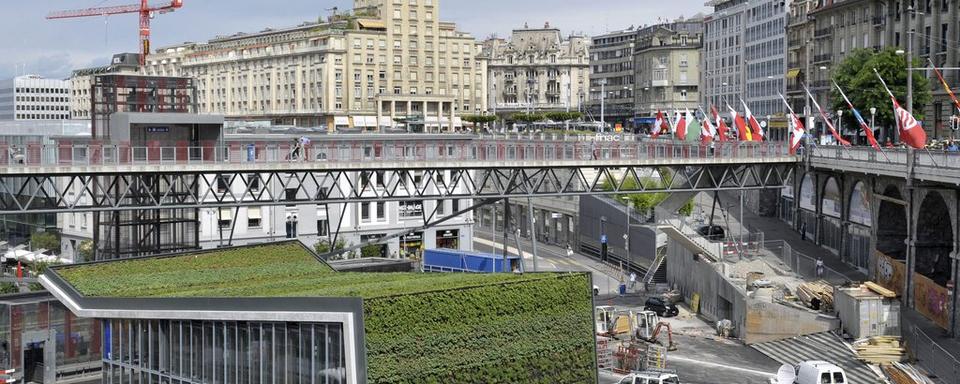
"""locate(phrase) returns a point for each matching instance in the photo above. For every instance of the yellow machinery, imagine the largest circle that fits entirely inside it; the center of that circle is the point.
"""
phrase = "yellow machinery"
(612, 322)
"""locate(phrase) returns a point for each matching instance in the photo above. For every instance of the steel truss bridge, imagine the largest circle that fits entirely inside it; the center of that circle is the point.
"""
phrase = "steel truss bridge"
(147, 200)
(109, 178)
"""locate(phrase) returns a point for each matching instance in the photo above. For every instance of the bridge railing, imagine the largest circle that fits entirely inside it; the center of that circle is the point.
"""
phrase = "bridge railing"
(894, 156)
(485, 150)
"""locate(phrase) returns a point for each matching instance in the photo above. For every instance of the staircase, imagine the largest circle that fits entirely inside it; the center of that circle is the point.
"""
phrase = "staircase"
(657, 272)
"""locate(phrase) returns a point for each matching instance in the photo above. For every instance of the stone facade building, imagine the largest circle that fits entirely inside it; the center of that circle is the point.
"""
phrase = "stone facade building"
(845, 25)
(387, 61)
(667, 66)
(800, 30)
(537, 69)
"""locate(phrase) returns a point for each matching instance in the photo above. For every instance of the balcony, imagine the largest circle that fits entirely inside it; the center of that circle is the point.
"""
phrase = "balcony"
(823, 32)
(879, 20)
(824, 58)
(659, 83)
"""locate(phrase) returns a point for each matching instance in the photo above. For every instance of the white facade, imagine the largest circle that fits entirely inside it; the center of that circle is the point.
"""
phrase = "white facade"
(358, 222)
(32, 97)
(338, 73)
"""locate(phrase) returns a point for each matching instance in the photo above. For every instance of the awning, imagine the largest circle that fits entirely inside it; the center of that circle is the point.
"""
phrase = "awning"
(371, 24)
(364, 121)
(254, 213)
(341, 120)
(226, 214)
(457, 122)
(793, 73)
(385, 121)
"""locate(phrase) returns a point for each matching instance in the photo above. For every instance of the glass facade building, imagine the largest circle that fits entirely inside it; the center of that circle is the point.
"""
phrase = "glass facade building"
(192, 351)
(44, 342)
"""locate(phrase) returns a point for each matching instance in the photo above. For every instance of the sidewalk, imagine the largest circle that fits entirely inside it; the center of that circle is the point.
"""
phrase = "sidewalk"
(774, 229)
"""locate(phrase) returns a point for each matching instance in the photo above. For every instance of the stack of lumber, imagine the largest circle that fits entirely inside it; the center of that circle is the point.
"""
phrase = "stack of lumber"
(900, 373)
(876, 288)
(816, 289)
(880, 350)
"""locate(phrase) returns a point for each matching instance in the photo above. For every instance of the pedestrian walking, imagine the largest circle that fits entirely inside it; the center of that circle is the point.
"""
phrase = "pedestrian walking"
(569, 251)
(803, 231)
(633, 280)
(295, 151)
(820, 267)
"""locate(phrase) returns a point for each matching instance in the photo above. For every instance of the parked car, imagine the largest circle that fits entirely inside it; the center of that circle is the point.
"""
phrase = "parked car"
(661, 307)
(651, 377)
(712, 232)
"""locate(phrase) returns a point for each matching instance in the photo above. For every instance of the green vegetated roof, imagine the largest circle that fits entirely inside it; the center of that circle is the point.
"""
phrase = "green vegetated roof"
(420, 327)
(273, 270)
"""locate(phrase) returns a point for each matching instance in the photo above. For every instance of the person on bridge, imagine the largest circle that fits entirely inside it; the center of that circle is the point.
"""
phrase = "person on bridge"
(820, 267)
(633, 280)
(295, 152)
(889, 143)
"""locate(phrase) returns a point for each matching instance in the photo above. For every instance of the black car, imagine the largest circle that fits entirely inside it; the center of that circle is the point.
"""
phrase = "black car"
(661, 307)
(714, 232)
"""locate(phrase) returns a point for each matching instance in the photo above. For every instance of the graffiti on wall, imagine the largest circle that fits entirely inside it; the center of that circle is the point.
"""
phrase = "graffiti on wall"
(930, 299)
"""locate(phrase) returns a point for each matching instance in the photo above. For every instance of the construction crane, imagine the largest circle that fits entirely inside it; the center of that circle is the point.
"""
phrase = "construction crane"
(145, 10)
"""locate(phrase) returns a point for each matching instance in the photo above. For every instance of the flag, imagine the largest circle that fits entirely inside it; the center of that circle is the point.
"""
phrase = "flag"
(863, 124)
(798, 131)
(693, 127)
(946, 87)
(742, 132)
(826, 120)
(680, 131)
(708, 131)
(911, 132)
(658, 125)
(721, 125)
(757, 131)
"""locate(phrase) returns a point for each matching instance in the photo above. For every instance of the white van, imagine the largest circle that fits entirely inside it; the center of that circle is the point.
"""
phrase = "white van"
(650, 377)
(819, 372)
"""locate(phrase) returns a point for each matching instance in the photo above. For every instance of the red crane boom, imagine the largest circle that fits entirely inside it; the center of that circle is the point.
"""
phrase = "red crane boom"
(145, 10)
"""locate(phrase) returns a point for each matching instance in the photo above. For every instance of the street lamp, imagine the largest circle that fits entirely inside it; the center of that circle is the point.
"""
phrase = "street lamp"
(873, 115)
(840, 122)
(603, 96)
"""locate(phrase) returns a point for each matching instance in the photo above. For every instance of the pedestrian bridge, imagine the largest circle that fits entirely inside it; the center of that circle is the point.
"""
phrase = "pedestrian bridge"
(97, 177)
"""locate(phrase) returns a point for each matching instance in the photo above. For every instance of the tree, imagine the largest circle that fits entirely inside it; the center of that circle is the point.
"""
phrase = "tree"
(8, 288)
(322, 247)
(85, 250)
(563, 116)
(855, 74)
(46, 240)
(372, 250)
(480, 119)
(526, 117)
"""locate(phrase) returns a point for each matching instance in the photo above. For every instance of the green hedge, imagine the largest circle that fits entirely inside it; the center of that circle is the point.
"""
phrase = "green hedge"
(533, 331)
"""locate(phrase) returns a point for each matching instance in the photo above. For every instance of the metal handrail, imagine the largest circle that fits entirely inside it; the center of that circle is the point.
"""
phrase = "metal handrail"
(483, 150)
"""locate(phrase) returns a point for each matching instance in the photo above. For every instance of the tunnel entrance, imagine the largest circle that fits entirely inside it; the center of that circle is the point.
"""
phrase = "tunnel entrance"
(892, 225)
(934, 239)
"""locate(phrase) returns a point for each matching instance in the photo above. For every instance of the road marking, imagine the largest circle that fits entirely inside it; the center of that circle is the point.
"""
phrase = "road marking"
(721, 366)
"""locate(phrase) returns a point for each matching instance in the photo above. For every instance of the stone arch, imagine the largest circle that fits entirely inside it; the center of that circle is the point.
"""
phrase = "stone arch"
(892, 224)
(859, 209)
(831, 200)
(934, 238)
(808, 192)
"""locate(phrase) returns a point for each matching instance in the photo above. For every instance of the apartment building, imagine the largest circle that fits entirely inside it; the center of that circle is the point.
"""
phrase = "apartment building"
(387, 64)
(800, 31)
(612, 72)
(667, 66)
(845, 25)
(744, 57)
(537, 69)
(32, 97)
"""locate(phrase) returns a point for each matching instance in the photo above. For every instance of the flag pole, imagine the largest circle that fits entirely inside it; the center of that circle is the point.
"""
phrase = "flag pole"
(860, 122)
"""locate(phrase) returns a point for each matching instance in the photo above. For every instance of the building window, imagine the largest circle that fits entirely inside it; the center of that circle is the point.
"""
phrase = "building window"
(225, 218)
(254, 217)
(223, 183)
(364, 212)
(323, 227)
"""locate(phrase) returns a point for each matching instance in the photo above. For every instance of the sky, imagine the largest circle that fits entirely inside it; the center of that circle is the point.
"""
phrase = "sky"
(52, 48)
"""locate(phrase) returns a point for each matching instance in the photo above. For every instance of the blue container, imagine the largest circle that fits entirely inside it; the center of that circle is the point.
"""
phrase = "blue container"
(623, 289)
(451, 260)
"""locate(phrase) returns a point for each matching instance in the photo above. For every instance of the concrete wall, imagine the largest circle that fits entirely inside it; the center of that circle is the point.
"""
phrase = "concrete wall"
(754, 321)
(643, 238)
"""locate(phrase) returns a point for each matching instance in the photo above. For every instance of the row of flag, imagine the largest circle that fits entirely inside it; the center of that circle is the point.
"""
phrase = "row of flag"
(689, 127)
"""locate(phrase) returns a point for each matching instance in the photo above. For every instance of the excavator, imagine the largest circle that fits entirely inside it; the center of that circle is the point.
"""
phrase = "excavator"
(648, 327)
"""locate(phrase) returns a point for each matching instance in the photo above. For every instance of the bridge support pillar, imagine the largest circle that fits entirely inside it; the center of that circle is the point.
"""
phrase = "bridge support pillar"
(952, 290)
(913, 217)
